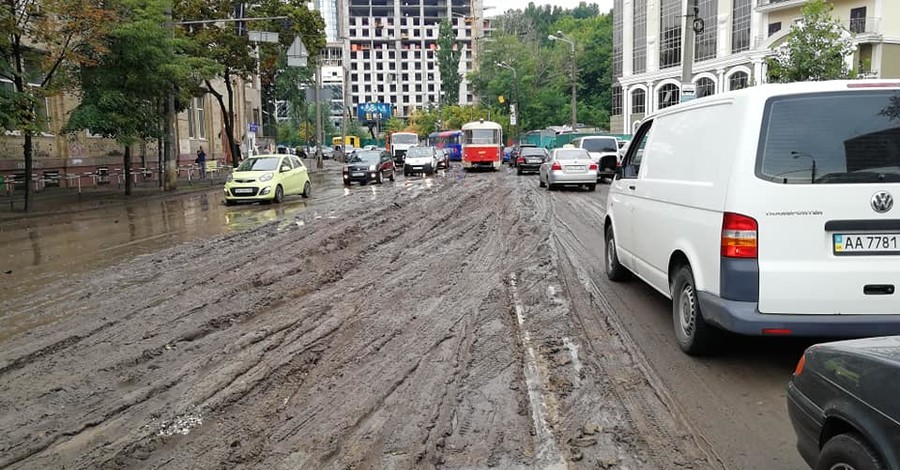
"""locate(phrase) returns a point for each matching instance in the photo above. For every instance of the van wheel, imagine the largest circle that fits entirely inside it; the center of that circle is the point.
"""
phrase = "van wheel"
(848, 451)
(693, 334)
(592, 187)
(614, 270)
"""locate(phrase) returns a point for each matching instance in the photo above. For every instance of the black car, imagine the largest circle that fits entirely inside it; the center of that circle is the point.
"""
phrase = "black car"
(368, 165)
(530, 159)
(443, 159)
(517, 151)
(844, 406)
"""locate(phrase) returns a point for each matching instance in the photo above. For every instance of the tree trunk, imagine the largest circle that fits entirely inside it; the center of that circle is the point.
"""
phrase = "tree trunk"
(228, 117)
(28, 146)
(29, 167)
(127, 170)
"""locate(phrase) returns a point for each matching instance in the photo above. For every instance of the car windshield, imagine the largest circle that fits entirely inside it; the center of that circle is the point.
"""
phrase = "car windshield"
(405, 139)
(600, 145)
(571, 154)
(419, 152)
(365, 156)
(259, 164)
(806, 142)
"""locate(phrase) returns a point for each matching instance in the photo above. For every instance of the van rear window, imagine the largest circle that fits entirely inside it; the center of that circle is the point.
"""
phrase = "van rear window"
(600, 145)
(831, 138)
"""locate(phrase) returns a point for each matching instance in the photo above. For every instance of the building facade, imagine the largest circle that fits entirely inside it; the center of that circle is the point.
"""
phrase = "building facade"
(390, 50)
(731, 51)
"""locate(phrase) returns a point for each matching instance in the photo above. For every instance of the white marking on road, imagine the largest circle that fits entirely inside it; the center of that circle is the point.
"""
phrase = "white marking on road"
(547, 449)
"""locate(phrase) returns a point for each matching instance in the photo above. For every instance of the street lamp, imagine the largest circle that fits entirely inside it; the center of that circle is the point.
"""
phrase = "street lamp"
(560, 37)
(513, 118)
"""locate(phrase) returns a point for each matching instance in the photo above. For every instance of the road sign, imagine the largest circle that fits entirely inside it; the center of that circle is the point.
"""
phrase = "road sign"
(262, 36)
(253, 127)
(297, 53)
(513, 115)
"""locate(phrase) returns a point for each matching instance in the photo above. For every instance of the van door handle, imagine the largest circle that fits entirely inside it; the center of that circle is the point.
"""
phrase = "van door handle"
(632, 187)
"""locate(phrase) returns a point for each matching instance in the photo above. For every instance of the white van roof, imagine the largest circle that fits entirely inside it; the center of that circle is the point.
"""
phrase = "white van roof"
(764, 92)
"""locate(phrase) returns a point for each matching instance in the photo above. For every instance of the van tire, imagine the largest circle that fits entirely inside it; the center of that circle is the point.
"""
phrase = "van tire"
(592, 187)
(614, 270)
(851, 450)
(694, 336)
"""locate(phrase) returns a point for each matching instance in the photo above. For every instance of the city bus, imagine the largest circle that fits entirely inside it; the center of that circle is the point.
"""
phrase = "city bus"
(482, 145)
(450, 140)
(397, 143)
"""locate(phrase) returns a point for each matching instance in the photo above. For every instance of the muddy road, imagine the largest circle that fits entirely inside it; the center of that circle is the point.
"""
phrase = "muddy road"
(459, 321)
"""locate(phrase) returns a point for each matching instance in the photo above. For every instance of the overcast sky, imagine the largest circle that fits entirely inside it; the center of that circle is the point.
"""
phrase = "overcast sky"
(501, 6)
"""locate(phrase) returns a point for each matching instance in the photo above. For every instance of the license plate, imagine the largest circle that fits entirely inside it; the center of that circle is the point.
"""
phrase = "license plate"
(243, 190)
(866, 243)
(357, 174)
(532, 160)
(575, 167)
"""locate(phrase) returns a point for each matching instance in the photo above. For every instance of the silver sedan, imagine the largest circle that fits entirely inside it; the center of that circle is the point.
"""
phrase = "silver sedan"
(569, 166)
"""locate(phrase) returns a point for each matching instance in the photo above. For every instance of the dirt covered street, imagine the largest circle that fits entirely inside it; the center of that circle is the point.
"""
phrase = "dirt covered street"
(431, 322)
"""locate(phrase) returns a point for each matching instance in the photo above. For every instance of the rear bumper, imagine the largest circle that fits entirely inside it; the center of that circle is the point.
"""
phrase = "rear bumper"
(558, 177)
(529, 166)
(745, 318)
(807, 420)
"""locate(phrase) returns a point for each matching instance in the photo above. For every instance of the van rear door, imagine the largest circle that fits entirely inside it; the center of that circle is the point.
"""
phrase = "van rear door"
(827, 178)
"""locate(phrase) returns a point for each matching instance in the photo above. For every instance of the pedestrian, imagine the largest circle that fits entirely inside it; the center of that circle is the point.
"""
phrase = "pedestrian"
(201, 162)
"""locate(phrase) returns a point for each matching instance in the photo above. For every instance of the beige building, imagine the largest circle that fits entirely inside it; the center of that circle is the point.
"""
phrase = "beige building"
(731, 51)
(200, 125)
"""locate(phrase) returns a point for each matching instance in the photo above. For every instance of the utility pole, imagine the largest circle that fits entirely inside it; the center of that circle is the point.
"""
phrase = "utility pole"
(561, 37)
(320, 163)
(170, 159)
(692, 24)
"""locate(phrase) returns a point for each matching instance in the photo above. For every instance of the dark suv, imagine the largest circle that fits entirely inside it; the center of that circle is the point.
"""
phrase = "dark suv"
(369, 165)
(530, 159)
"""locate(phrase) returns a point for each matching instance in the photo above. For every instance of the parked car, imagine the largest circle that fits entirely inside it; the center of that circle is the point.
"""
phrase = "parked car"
(420, 160)
(443, 159)
(842, 401)
(604, 150)
(327, 152)
(757, 218)
(267, 178)
(568, 166)
(530, 159)
(368, 165)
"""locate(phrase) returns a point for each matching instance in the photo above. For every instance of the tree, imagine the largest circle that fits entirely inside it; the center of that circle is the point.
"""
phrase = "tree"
(816, 49)
(230, 46)
(69, 33)
(448, 55)
(119, 93)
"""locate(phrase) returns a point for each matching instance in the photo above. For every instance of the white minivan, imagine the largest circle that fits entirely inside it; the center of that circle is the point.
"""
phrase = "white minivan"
(766, 211)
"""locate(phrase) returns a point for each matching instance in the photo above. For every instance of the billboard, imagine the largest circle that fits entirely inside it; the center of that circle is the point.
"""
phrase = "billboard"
(373, 111)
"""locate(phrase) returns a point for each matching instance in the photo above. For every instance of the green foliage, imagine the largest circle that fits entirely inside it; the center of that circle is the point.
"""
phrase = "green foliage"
(544, 67)
(448, 55)
(815, 49)
(395, 124)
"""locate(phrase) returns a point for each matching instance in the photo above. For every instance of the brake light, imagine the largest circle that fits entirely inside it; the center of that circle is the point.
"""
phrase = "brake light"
(799, 369)
(777, 331)
(555, 167)
(592, 167)
(739, 236)
(520, 160)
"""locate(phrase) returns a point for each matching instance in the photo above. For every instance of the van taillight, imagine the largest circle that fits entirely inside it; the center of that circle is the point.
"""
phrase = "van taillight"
(739, 236)
(556, 166)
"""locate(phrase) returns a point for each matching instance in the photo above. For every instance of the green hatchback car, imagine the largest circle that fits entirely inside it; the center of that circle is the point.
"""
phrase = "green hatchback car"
(267, 178)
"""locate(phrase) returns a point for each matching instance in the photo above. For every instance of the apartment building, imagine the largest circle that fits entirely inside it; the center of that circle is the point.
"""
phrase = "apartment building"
(731, 51)
(390, 50)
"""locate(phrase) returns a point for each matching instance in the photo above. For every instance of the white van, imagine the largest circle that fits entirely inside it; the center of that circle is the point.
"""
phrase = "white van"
(766, 211)
(604, 150)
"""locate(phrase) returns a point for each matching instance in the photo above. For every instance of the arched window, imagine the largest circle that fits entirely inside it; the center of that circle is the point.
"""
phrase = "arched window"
(638, 101)
(705, 87)
(668, 95)
(738, 80)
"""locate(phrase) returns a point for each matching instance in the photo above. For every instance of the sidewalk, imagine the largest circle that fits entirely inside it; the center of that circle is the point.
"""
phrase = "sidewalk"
(61, 200)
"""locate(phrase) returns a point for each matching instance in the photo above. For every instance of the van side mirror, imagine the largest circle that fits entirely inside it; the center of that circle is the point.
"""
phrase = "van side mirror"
(620, 172)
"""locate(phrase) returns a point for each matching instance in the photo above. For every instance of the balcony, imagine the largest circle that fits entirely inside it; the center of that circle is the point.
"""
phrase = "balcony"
(869, 26)
(767, 6)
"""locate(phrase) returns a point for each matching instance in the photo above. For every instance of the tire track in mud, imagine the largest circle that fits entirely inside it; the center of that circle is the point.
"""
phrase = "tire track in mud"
(261, 295)
(655, 429)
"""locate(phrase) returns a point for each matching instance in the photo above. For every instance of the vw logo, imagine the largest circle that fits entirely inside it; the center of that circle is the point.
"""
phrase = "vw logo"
(882, 201)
